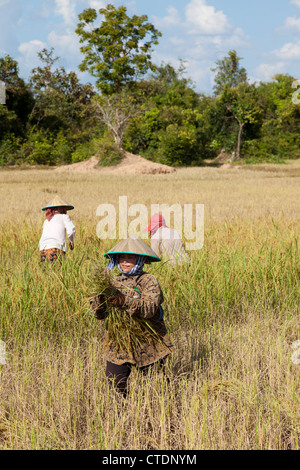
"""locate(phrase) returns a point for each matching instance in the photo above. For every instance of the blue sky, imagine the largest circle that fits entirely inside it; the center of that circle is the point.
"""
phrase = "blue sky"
(265, 33)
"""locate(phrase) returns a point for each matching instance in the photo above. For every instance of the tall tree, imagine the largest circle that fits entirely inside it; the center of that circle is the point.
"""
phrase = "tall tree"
(61, 101)
(171, 129)
(117, 51)
(279, 138)
(241, 104)
(229, 73)
(19, 99)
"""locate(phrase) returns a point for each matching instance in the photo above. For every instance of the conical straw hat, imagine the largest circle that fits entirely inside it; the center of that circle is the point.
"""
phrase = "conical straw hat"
(58, 202)
(135, 246)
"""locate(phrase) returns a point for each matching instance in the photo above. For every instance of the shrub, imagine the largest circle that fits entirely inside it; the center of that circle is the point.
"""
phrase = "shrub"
(62, 149)
(9, 150)
(178, 145)
(272, 148)
(109, 152)
(84, 151)
(37, 149)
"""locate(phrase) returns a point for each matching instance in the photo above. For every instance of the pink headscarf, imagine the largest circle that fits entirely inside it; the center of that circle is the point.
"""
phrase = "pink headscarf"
(156, 221)
(51, 211)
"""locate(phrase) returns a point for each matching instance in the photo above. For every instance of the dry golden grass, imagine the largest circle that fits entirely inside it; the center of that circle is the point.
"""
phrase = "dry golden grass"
(233, 316)
(226, 193)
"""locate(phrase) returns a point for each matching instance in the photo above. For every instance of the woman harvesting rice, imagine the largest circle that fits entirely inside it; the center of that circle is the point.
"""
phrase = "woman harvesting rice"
(136, 334)
(57, 224)
(166, 242)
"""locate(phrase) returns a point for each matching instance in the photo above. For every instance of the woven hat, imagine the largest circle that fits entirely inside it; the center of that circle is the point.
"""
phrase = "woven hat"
(135, 246)
(58, 202)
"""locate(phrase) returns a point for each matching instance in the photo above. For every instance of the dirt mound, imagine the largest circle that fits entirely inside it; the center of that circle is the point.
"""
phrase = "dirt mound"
(87, 165)
(129, 165)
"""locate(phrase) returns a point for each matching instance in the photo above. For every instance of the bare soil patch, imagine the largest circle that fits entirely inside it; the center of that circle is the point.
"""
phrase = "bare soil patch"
(130, 165)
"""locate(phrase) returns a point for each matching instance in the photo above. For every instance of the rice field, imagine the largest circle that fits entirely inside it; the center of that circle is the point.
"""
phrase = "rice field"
(233, 316)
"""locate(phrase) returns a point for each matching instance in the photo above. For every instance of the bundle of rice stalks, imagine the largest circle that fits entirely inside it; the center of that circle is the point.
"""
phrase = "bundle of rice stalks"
(126, 332)
(102, 291)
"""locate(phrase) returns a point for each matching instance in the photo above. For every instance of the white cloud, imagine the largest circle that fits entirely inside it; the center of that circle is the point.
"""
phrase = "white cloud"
(295, 2)
(209, 46)
(66, 45)
(96, 4)
(29, 54)
(177, 41)
(66, 9)
(196, 70)
(45, 10)
(171, 19)
(200, 38)
(292, 24)
(26, 48)
(204, 19)
(266, 72)
(289, 51)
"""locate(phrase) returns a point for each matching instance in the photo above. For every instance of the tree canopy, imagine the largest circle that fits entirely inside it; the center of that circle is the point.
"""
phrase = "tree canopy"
(118, 50)
(229, 73)
(147, 109)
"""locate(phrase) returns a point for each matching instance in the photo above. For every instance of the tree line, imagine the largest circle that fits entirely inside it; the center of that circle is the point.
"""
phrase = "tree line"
(141, 107)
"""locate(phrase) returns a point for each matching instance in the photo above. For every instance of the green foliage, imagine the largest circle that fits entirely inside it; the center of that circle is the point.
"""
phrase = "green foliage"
(8, 121)
(229, 73)
(278, 139)
(240, 103)
(44, 148)
(178, 145)
(19, 99)
(169, 131)
(55, 119)
(85, 150)
(61, 102)
(109, 152)
(37, 149)
(9, 150)
(118, 51)
(270, 148)
(61, 118)
(61, 149)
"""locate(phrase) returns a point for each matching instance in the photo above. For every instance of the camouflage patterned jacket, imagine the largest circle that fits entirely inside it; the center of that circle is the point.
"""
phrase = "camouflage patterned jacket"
(145, 302)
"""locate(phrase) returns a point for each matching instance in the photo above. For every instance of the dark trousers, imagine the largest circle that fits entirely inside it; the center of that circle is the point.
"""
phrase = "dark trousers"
(118, 374)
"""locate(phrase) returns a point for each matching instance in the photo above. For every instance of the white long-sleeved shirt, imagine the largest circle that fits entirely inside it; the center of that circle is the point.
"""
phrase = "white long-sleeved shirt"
(166, 242)
(54, 232)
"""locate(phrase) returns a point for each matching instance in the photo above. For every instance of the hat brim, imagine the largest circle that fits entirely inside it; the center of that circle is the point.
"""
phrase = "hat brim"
(133, 246)
(67, 207)
(151, 259)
